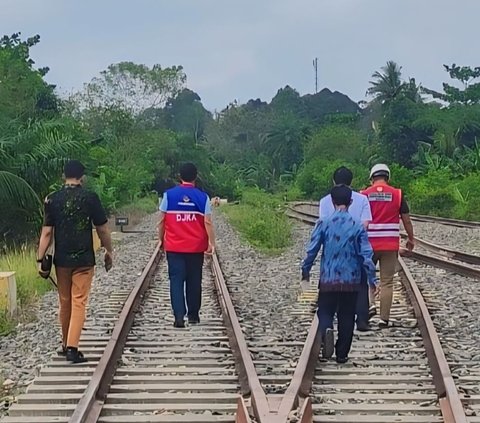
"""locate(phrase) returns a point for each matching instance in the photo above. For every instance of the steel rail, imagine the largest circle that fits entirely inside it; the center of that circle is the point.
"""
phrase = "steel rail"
(449, 400)
(302, 379)
(418, 217)
(443, 263)
(249, 380)
(445, 221)
(90, 405)
(442, 256)
(448, 253)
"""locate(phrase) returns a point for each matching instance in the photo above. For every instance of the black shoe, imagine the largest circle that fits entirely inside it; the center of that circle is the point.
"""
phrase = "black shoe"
(75, 356)
(328, 344)
(179, 323)
(384, 324)
(342, 360)
(193, 320)
(363, 327)
(62, 351)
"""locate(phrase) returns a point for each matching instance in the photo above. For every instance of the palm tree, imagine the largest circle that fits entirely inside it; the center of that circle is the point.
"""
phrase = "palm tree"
(387, 83)
(31, 159)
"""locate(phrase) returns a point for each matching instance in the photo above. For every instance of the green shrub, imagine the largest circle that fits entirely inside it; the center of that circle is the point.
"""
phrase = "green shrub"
(257, 198)
(468, 197)
(30, 286)
(433, 194)
(401, 177)
(260, 220)
(316, 178)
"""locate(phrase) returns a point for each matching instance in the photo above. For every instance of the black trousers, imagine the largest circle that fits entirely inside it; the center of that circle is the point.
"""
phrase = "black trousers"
(344, 304)
(185, 273)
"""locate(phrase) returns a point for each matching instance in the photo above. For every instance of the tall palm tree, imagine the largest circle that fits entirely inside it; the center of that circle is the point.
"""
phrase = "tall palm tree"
(387, 83)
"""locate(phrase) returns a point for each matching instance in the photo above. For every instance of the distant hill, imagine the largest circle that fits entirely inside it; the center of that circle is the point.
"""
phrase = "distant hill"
(327, 102)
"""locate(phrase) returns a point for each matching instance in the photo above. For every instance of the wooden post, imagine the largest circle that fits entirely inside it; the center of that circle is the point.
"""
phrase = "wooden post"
(8, 292)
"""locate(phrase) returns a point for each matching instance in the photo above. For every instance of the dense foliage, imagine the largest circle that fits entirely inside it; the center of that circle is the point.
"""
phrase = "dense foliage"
(133, 125)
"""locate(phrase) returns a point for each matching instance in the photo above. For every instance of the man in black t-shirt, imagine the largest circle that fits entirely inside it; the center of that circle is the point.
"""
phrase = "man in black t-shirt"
(69, 215)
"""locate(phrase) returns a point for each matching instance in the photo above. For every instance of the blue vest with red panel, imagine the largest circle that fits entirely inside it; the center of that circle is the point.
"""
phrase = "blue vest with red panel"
(185, 220)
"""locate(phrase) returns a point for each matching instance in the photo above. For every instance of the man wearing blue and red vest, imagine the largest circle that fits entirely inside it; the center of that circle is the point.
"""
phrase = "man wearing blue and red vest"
(186, 232)
(388, 206)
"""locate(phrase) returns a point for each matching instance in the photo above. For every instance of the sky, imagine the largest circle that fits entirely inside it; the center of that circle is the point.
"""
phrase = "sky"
(237, 50)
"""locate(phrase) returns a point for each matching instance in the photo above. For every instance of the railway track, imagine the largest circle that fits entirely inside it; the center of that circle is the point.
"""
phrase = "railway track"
(312, 208)
(147, 371)
(408, 360)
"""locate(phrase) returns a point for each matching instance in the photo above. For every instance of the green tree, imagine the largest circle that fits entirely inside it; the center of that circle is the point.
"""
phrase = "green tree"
(130, 86)
(337, 142)
(23, 92)
(185, 113)
(387, 84)
(466, 75)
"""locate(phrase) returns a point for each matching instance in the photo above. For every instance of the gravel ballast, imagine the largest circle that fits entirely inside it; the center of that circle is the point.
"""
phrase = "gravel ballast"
(32, 345)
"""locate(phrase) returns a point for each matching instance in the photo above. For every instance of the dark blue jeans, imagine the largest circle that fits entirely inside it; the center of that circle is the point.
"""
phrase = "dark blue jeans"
(363, 303)
(185, 273)
(342, 303)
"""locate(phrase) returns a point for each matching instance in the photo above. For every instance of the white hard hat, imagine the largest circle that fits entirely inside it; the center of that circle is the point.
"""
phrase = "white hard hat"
(379, 169)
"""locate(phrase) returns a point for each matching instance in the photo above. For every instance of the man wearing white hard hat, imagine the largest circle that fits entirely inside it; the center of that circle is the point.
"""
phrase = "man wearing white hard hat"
(388, 207)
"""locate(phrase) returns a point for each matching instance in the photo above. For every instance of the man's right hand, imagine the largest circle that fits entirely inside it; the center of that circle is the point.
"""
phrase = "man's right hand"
(305, 277)
(410, 244)
(210, 249)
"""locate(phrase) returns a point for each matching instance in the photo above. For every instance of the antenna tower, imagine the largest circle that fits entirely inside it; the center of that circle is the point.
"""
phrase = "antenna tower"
(315, 67)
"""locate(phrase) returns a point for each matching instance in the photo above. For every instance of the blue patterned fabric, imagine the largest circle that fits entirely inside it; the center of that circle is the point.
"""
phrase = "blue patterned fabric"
(345, 250)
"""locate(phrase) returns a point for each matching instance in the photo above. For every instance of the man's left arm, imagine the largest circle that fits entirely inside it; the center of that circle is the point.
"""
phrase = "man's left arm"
(209, 227)
(161, 223)
(366, 216)
(407, 223)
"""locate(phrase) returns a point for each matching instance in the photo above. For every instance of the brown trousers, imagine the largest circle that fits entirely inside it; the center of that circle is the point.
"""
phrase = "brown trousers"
(388, 262)
(73, 289)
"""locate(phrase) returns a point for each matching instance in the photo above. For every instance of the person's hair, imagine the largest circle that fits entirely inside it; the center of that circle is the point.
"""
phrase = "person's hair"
(341, 195)
(343, 176)
(74, 169)
(381, 175)
(188, 172)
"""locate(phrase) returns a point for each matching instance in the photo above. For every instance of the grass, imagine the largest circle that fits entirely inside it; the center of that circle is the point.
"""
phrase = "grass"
(30, 286)
(261, 221)
(137, 210)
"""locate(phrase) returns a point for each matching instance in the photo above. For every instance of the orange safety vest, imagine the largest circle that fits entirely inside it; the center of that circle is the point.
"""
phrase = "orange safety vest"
(384, 229)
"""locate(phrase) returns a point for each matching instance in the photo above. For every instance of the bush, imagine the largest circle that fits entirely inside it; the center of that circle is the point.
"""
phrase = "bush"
(433, 194)
(30, 286)
(468, 198)
(316, 178)
(401, 177)
(260, 220)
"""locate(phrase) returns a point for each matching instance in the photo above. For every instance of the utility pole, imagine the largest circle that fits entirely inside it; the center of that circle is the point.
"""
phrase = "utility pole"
(315, 67)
